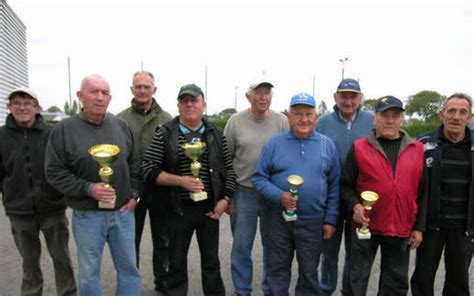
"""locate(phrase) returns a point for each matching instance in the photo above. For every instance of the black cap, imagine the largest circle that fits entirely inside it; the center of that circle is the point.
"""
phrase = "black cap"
(388, 102)
(190, 89)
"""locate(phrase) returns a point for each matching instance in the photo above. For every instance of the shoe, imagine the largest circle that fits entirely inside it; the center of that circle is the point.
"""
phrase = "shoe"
(161, 287)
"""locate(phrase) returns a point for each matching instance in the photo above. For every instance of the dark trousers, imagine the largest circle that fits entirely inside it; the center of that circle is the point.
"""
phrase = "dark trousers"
(159, 234)
(394, 264)
(181, 229)
(283, 239)
(330, 257)
(26, 231)
(456, 246)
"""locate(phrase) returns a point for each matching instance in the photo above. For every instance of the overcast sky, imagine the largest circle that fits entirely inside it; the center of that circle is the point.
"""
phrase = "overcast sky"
(392, 48)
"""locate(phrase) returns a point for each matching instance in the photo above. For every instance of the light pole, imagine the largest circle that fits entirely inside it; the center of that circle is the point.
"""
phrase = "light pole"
(342, 62)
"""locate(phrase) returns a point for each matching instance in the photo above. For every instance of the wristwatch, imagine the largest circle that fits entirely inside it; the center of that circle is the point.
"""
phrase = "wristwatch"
(227, 199)
(136, 197)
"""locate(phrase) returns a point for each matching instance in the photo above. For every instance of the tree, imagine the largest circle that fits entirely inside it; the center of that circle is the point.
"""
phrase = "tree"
(54, 109)
(426, 104)
(71, 110)
(322, 108)
(370, 104)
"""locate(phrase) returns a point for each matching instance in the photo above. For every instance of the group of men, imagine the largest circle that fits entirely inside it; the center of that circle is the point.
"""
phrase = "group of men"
(424, 188)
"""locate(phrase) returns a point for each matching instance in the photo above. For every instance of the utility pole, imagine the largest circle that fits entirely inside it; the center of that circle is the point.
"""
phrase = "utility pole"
(343, 60)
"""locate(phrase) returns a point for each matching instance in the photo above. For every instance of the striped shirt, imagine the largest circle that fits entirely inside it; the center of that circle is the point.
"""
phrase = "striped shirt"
(154, 156)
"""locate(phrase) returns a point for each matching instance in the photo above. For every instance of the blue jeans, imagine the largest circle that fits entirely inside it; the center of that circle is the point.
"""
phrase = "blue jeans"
(92, 229)
(283, 240)
(330, 258)
(249, 206)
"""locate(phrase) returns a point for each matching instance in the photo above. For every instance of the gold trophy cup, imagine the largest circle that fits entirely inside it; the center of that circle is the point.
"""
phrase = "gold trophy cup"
(368, 200)
(105, 155)
(193, 151)
(295, 182)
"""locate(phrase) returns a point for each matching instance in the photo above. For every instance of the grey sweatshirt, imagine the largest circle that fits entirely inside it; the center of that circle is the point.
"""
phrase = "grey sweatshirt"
(71, 170)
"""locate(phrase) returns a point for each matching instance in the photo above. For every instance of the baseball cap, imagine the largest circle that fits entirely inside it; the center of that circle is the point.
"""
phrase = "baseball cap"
(255, 85)
(23, 90)
(303, 99)
(190, 89)
(388, 102)
(349, 85)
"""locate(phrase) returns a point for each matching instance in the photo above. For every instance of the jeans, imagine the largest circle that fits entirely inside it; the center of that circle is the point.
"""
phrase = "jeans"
(456, 247)
(159, 234)
(92, 229)
(395, 257)
(26, 231)
(330, 258)
(182, 228)
(303, 236)
(249, 206)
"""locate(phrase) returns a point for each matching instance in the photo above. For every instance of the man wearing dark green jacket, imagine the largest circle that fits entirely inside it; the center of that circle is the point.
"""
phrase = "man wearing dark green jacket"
(30, 203)
(143, 117)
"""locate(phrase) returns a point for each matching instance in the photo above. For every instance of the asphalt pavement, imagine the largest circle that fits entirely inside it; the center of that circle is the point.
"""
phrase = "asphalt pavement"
(11, 273)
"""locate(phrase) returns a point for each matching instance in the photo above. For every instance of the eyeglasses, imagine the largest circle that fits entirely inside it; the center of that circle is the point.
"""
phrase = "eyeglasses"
(26, 104)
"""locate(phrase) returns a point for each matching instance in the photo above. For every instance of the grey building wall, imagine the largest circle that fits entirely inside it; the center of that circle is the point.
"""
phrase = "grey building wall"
(13, 55)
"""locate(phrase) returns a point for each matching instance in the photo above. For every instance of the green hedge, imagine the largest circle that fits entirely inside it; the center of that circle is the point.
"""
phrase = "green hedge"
(417, 128)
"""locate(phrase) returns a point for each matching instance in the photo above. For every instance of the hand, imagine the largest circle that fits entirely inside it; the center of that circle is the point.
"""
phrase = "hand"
(231, 207)
(415, 239)
(219, 209)
(328, 231)
(130, 205)
(288, 201)
(359, 214)
(191, 184)
(99, 192)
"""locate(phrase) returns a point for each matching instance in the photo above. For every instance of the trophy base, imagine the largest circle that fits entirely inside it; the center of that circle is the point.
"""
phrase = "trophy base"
(289, 217)
(107, 205)
(362, 235)
(198, 196)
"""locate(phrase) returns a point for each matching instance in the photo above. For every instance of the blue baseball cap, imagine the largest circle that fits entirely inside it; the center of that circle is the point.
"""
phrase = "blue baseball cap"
(388, 102)
(303, 99)
(349, 85)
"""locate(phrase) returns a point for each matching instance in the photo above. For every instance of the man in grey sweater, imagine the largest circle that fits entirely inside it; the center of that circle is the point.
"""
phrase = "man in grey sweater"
(246, 133)
(72, 171)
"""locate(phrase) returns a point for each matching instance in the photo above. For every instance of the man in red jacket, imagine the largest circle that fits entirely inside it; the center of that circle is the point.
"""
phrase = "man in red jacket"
(389, 163)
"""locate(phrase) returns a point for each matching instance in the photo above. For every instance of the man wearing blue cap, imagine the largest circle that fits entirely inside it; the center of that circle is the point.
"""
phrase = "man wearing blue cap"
(303, 152)
(346, 124)
(389, 163)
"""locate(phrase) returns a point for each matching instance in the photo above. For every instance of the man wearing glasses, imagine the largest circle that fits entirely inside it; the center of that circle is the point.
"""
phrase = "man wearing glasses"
(30, 203)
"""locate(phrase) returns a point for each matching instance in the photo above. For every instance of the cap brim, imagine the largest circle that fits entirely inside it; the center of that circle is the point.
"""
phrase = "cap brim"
(390, 107)
(349, 90)
(189, 93)
(22, 91)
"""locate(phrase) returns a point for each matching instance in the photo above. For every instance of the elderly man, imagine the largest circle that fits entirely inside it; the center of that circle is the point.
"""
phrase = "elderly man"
(30, 203)
(346, 124)
(312, 156)
(144, 116)
(166, 167)
(389, 163)
(72, 171)
(450, 219)
(246, 133)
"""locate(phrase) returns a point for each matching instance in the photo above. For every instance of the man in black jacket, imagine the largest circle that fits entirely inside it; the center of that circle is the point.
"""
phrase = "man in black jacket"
(166, 166)
(30, 203)
(450, 218)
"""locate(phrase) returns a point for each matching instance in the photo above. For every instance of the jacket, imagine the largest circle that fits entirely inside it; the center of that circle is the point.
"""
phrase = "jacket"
(23, 183)
(432, 150)
(214, 139)
(395, 213)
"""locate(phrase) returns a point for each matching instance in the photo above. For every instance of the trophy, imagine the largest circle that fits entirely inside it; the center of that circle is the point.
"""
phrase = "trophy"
(368, 199)
(193, 151)
(105, 155)
(295, 183)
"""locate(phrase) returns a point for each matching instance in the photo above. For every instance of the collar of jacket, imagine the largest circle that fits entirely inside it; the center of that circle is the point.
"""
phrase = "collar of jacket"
(155, 107)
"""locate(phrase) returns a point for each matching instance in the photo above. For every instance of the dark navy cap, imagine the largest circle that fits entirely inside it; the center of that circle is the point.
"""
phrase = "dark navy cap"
(303, 99)
(388, 102)
(190, 89)
(349, 85)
